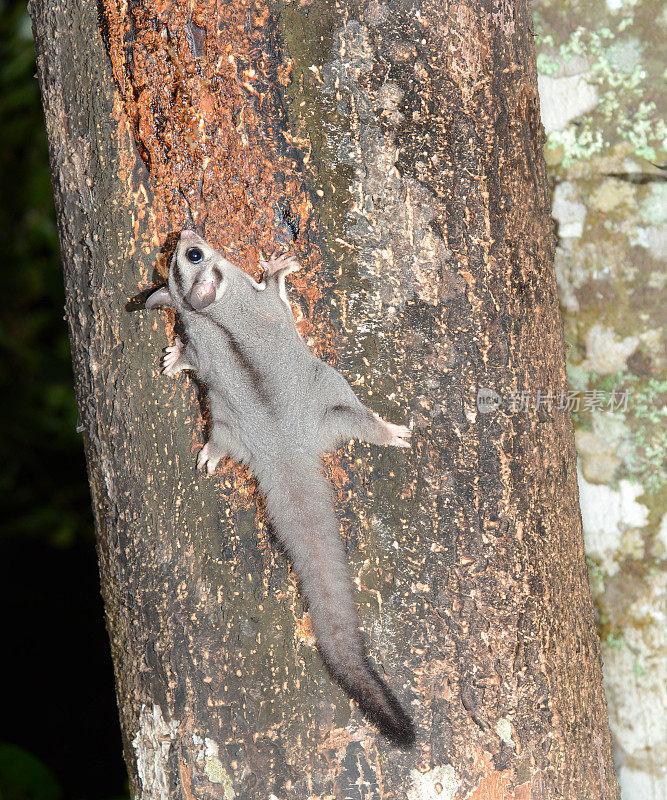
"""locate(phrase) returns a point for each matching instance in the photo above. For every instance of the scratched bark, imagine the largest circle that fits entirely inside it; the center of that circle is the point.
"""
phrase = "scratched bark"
(399, 145)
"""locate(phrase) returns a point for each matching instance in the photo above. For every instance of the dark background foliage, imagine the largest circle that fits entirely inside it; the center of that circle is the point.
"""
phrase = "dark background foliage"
(60, 737)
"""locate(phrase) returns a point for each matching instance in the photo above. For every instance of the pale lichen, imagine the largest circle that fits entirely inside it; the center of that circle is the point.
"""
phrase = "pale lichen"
(439, 783)
(504, 731)
(152, 746)
(606, 352)
(607, 514)
(615, 74)
(215, 771)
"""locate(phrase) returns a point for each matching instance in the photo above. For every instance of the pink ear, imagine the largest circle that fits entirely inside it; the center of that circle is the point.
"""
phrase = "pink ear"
(202, 295)
(159, 299)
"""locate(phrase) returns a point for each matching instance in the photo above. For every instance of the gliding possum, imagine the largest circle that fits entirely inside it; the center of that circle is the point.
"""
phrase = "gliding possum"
(276, 408)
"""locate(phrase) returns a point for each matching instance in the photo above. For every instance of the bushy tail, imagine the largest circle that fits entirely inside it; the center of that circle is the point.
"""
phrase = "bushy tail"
(299, 502)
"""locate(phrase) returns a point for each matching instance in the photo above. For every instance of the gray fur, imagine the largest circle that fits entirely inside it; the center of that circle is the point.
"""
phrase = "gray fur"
(277, 408)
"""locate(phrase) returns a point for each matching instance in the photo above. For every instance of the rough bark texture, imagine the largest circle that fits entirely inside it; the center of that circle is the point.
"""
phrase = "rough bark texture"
(605, 147)
(400, 145)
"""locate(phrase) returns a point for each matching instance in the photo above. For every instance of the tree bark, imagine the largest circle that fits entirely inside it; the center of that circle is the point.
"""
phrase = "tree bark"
(400, 146)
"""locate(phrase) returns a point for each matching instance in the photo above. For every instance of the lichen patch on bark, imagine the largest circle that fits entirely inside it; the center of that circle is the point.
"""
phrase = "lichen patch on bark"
(152, 746)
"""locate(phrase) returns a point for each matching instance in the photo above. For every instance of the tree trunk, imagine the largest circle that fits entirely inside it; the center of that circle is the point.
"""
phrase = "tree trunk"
(403, 153)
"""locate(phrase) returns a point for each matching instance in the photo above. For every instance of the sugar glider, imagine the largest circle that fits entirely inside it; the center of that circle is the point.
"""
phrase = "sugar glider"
(276, 408)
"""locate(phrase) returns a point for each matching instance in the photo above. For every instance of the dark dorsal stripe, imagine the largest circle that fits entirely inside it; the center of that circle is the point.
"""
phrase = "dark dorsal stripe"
(178, 277)
(342, 408)
(244, 361)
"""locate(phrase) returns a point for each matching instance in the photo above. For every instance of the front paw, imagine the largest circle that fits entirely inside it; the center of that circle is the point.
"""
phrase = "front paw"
(171, 363)
(207, 459)
(284, 263)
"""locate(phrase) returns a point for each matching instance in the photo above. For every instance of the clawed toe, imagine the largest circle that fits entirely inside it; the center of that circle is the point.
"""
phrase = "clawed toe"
(206, 459)
(282, 263)
(399, 435)
(170, 359)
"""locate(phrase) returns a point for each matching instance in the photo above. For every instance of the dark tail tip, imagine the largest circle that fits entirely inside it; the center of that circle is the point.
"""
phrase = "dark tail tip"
(399, 728)
(380, 706)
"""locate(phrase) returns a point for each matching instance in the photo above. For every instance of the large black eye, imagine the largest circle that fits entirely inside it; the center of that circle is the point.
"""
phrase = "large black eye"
(194, 255)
